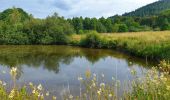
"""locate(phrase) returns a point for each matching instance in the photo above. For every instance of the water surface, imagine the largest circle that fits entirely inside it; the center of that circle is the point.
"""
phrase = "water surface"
(57, 67)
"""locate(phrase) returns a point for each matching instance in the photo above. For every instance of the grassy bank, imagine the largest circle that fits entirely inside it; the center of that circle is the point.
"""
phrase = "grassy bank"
(155, 45)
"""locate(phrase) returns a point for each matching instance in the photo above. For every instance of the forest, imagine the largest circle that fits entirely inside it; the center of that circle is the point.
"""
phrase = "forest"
(151, 9)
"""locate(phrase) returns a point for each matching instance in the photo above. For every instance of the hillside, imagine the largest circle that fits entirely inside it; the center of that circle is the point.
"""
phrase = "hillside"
(150, 9)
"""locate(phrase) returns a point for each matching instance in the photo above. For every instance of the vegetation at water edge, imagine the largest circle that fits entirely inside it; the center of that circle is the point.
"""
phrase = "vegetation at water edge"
(154, 85)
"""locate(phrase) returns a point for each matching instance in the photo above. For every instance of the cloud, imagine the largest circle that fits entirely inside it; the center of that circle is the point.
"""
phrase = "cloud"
(62, 5)
(72, 8)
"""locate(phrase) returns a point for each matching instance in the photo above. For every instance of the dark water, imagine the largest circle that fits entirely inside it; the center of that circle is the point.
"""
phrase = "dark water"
(57, 67)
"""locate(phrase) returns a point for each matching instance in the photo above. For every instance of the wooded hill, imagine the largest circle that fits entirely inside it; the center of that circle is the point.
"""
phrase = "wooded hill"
(152, 9)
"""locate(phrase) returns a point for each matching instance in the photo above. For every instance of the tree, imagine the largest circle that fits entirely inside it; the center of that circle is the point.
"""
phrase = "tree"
(86, 23)
(100, 27)
(123, 28)
(93, 24)
(108, 25)
(165, 25)
(78, 24)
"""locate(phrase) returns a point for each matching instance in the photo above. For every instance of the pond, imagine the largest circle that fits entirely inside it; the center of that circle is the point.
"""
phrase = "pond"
(58, 67)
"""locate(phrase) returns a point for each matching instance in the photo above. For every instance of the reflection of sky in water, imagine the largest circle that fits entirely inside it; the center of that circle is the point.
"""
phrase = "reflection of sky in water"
(68, 73)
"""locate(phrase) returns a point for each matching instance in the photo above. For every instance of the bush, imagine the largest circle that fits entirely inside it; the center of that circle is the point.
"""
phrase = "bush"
(60, 38)
(91, 40)
(17, 38)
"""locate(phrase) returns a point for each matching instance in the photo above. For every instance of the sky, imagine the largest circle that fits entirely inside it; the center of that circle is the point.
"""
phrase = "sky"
(75, 8)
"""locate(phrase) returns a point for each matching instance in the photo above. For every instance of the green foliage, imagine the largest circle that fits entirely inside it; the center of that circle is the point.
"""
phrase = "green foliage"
(17, 27)
(123, 28)
(14, 38)
(14, 14)
(78, 24)
(151, 9)
(100, 28)
(153, 45)
(165, 25)
(91, 40)
(122, 23)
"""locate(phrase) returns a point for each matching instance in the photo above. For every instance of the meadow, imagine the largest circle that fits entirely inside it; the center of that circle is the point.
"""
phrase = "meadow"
(151, 45)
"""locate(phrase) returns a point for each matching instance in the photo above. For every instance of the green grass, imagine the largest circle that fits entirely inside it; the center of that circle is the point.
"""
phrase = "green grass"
(154, 45)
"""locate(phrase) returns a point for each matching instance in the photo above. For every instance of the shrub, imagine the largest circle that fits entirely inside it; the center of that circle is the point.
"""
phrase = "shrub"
(91, 40)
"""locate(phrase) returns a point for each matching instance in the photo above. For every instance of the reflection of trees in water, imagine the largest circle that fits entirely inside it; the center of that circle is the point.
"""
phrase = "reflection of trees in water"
(50, 57)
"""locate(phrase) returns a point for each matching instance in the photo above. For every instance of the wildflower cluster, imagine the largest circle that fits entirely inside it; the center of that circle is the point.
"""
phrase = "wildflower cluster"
(164, 66)
(94, 90)
(154, 86)
(37, 92)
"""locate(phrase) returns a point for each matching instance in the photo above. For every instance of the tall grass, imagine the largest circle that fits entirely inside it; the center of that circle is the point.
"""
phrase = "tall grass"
(155, 45)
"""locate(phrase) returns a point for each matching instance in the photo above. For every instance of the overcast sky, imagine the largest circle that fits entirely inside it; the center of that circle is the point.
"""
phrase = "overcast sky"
(72, 8)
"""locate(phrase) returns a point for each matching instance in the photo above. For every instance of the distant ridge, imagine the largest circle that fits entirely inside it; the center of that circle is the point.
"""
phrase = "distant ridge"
(150, 9)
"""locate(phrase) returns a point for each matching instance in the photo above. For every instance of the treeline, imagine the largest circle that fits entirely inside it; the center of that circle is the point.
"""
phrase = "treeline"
(122, 23)
(18, 27)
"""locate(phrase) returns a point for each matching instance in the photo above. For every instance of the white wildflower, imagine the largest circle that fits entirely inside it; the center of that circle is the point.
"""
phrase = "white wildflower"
(80, 78)
(33, 92)
(39, 95)
(99, 92)
(70, 96)
(30, 83)
(102, 85)
(110, 95)
(12, 94)
(113, 78)
(13, 71)
(94, 75)
(47, 94)
(39, 87)
(4, 84)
